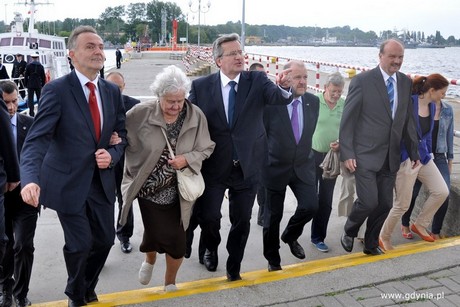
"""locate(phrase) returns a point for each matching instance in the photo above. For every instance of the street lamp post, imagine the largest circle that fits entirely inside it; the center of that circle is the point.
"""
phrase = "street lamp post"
(5, 15)
(186, 31)
(199, 11)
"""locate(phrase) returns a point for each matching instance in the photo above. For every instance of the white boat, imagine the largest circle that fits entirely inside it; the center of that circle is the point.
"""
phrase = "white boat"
(51, 49)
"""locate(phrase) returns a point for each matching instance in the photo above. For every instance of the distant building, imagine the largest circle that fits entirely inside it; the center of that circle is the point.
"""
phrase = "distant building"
(253, 40)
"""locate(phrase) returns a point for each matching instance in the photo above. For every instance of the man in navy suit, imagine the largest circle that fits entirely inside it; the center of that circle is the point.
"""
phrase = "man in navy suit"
(239, 134)
(67, 161)
(290, 162)
(124, 232)
(20, 218)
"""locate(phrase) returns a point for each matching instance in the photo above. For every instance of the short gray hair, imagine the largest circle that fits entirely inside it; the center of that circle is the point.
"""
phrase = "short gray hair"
(335, 79)
(217, 50)
(171, 80)
(72, 43)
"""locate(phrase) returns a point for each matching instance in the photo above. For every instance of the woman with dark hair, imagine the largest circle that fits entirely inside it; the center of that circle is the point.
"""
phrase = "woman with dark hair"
(425, 92)
(443, 152)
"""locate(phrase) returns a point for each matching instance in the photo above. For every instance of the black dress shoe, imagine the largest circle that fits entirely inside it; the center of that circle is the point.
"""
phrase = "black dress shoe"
(72, 303)
(233, 277)
(273, 267)
(373, 251)
(126, 247)
(347, 242)
(210, 260)
(91, 296)
(22, 302)
(296, 249)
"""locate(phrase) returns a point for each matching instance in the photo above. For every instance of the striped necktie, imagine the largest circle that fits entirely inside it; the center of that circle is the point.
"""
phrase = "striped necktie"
(391, 92)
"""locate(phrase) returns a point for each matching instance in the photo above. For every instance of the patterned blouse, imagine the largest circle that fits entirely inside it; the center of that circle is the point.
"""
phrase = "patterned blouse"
(161, 185)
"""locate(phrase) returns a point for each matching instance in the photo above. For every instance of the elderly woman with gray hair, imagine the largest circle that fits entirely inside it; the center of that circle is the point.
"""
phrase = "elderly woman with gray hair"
(150, 172)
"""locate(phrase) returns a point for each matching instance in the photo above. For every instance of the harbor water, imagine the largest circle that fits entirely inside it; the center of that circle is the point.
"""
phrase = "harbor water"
(423, 61)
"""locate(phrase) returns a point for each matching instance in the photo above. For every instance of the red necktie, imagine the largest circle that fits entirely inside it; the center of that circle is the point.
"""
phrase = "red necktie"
(94, 109)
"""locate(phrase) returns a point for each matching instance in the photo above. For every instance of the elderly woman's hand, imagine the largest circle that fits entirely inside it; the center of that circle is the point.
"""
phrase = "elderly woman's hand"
(178, 163)
(114, 139)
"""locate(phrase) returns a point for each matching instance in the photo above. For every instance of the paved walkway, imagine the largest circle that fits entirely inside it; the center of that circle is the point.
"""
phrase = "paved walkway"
(417, 273)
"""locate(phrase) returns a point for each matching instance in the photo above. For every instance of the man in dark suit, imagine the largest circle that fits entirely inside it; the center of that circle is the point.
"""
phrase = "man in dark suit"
(124, 232)
(290, 162)
(34, 80)
(20, 218)
(375, 119)
(67, 161)
(19, 68)
(9, 169)
(233, 101)
(118, 57)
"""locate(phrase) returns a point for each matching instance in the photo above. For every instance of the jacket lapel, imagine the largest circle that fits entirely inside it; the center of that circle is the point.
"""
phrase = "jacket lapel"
(382, 90)
(21, 132)
(243, 90)
(107, 107)
(287, 122)
(216, 97)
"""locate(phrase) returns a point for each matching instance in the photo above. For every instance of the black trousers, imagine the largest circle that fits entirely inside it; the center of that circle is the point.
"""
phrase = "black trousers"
(307, 205)
(30, 99)
(89, 236)
(374, 202)
(20, 225)
(207, 214)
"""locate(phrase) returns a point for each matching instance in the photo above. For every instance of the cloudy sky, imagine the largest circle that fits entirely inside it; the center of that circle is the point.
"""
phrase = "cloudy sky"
(412, 15)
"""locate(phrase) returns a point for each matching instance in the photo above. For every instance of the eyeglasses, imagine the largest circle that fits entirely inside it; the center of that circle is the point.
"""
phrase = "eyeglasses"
(234, 53)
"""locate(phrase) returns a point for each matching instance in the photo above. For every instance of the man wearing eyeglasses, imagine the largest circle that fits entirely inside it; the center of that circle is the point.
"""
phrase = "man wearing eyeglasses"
(233, 101)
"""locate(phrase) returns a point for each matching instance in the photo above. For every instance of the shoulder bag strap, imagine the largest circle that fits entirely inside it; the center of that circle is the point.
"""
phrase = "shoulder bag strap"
(167, 142)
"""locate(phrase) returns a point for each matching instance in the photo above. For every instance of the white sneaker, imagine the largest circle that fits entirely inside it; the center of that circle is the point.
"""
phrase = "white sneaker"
(170, 288)
(145, 273)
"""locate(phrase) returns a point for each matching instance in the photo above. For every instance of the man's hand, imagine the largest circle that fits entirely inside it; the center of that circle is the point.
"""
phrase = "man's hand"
(283, 79)
(350, 164)
(31, 194)
(415, 164)
(103, 158)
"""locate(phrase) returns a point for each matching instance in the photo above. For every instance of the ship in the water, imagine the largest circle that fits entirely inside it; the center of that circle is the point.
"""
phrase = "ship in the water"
(51, 49)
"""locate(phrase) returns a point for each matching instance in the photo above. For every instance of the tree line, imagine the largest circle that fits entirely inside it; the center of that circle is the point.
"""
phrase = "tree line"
(135, 21)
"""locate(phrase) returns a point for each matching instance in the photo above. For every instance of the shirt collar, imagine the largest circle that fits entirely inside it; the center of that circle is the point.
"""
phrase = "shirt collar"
(83, 79)
(298, 98)
(225, 80)
(386, 76)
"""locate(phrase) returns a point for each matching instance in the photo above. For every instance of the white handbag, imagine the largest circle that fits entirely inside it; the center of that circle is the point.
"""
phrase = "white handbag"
(190, 185)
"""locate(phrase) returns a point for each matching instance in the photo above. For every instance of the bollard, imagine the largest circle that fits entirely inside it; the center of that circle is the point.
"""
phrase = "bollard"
(351, 73)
